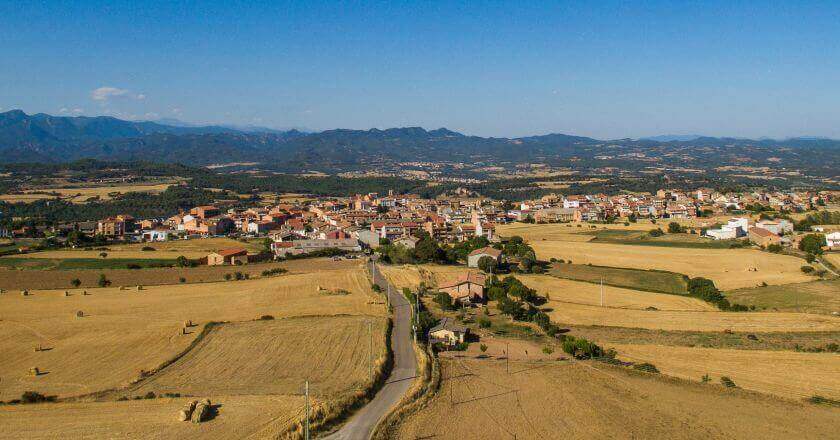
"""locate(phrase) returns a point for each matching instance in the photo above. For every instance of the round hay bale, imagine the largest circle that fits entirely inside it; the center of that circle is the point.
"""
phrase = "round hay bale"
(188, 323)
(139, 287)
(84, 292)
(122, 287)
(186, 412)
(66, 293)
(34, 371)
(24, 292)
(80, 314)
(202, 410)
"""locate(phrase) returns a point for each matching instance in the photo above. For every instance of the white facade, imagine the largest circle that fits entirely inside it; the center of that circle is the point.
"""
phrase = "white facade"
(833, 240)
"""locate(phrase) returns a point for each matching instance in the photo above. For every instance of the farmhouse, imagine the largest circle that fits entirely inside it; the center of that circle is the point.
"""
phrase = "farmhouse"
(467, 288)
(281, 249)
(228, 256)
(409, 242)
(763, 237)
(833, 240)
(448, 332)
(478, 254)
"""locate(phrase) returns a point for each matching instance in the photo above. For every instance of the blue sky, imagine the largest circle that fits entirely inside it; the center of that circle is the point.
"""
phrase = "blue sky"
(602, 69)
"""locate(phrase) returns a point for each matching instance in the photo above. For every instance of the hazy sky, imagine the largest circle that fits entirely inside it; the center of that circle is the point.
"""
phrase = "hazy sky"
(592, 68)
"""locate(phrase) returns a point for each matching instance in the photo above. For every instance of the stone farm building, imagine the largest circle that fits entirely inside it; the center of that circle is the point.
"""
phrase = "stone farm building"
(478, 254)
(467, 288)
(228, 256)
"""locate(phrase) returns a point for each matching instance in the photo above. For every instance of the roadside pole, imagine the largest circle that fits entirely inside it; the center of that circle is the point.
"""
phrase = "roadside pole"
(306, 427)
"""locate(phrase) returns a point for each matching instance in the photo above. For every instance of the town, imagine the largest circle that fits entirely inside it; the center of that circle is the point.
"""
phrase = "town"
(314, 225)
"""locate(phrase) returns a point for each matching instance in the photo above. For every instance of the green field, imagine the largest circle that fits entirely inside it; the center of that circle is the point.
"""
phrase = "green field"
(810, 297)
(641, 238)
(83, 263)
(648, 280)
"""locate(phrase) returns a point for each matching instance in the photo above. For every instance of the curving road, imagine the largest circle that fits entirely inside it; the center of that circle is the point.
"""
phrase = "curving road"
(361, 425)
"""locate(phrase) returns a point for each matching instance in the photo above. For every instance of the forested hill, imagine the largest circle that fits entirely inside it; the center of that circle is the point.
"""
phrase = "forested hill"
(45, 138)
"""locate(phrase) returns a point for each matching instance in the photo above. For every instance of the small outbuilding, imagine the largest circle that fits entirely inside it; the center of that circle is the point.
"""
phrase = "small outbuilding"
(228, 256)
(448, 332)
(478, 254)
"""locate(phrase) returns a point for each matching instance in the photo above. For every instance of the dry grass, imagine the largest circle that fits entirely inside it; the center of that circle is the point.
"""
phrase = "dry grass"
(195, 248)
(811, 297)
(125, 331)
(238, 417)
(276, 357)
(539, 400)
(60, 279)
(728, 268)
(561, 290)
(566, 313)
(783, 373)
(83, 193)
(411, 275)
(833, 258)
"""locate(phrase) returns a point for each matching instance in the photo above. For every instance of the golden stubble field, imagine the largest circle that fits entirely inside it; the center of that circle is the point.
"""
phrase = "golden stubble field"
(193, 248)
(252, 417)
(783, 373)
(578, 292)
(276, 357)
(82, 194)
(16, 280)
(728, 268)
(124, 331)
(583, 400)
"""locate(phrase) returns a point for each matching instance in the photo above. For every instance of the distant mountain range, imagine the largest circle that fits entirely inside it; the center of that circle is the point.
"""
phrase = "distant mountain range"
(46, 138)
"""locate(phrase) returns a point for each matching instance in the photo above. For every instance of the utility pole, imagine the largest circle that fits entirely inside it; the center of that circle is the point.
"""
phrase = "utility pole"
(507, 357)
(370, 351)
(602, 292)
(306, 427)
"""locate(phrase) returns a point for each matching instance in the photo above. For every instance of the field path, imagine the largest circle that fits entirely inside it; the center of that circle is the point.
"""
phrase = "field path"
(361, 425)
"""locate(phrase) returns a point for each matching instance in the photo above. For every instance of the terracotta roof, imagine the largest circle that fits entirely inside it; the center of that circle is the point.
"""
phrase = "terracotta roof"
(762, 232)
(469, 277)
(493, 252)
(231, 252)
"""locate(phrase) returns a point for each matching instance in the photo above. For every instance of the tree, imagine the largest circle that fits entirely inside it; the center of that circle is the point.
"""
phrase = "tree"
(182, 261)
(675, 228)
(103, 281)
(487, 264)
(103, 254)
(75, 282)
(656, 232)
(812, 243)
(444, 301)
(482, 347)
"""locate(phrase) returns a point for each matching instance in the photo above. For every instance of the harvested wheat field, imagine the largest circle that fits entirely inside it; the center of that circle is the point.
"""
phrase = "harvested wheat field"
(61, 279)
(728, 268)
(124, 331)
(193, 248)
(577, 292)
(254, 417)
(567, 313)
(411, 275)
(276, 357)
(833, 258)
(821, 296)
(584, 400)
(783, 373)
(82, 194)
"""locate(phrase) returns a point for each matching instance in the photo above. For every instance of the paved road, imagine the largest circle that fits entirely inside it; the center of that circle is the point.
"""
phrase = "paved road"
(361, 425)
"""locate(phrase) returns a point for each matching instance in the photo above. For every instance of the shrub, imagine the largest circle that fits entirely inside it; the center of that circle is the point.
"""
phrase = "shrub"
(484, 322)
(444, 301)
(274, 271)
(547, 350)
(35, 397)
(75, 282)
(150, 395)
(483, 348)
(132, 266)
(820, 400)
(376, 288)
(727, 382)
(182, 280)
(228, 276)
(774, 248)
(581, 348)
(706, 378)
(656, 232)
(646, 367)
(810, 258)
(103, 254)
(103, 281)
(266, 318)
(148, 249)
(806, 269)
(675, 228)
